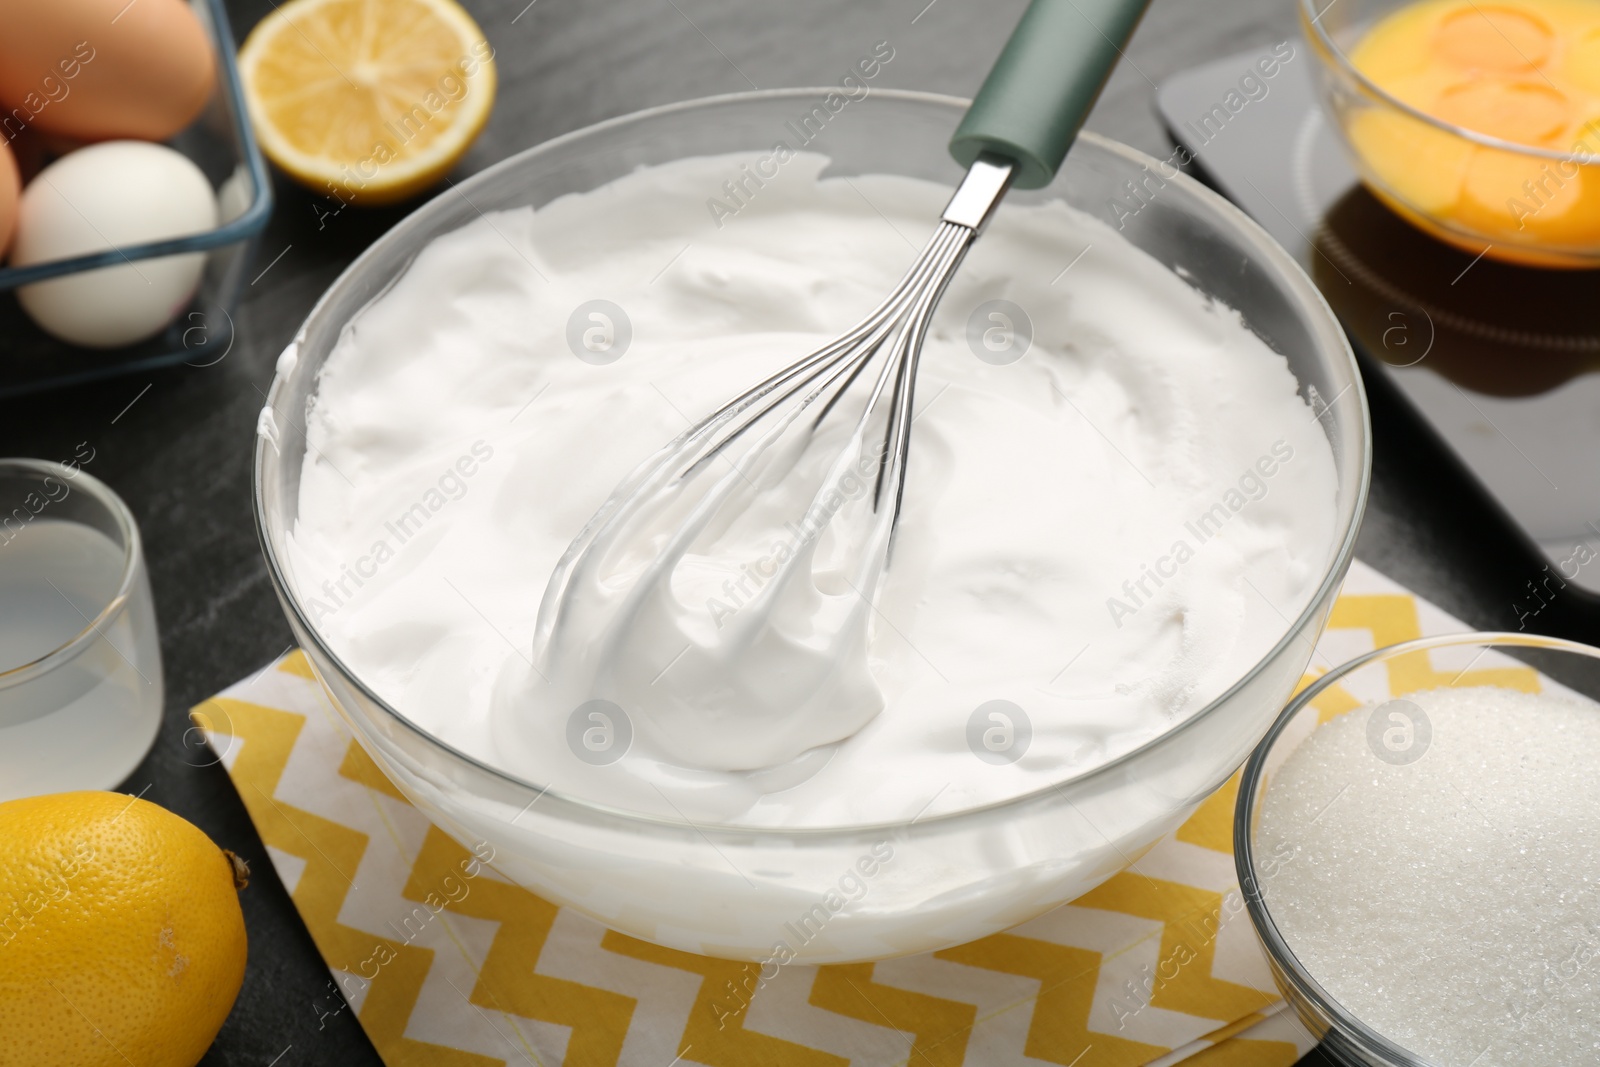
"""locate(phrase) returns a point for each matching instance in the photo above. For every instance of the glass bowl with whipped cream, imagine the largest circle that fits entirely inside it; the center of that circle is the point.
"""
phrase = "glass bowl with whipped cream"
(1140, 455)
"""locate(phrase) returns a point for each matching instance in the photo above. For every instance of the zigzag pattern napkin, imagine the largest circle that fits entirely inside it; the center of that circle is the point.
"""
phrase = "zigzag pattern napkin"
(445, 962)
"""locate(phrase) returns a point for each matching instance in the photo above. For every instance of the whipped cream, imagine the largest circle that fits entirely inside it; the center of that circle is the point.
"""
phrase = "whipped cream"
(1098, 538)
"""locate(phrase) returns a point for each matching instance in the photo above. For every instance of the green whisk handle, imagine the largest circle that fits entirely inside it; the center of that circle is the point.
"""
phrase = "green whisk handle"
(1041, 89)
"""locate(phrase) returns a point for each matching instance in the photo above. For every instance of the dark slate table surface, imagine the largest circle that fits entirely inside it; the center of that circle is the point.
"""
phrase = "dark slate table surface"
(180, 454)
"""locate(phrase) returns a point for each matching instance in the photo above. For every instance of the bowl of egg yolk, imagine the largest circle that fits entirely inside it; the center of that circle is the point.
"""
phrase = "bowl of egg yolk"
(1478, 122)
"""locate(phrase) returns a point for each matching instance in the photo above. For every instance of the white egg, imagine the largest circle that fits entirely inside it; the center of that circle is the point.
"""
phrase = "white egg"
(112, 195)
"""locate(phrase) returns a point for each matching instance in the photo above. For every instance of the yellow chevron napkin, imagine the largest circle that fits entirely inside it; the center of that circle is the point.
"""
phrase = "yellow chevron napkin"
(446, 962)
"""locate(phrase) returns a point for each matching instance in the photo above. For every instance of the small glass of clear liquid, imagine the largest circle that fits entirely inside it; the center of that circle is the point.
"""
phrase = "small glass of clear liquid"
(80, 666)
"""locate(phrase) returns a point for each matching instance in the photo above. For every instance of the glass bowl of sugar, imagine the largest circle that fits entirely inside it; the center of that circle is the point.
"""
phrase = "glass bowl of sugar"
(1418, 841)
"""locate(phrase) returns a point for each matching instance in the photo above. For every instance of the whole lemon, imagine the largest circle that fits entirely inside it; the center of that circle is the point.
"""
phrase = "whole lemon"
(121, 938)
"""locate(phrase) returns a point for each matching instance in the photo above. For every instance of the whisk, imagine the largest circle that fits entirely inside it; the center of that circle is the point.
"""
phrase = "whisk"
(609, 621)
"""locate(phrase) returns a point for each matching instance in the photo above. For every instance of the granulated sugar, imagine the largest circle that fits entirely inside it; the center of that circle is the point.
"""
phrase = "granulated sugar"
(1451, 903)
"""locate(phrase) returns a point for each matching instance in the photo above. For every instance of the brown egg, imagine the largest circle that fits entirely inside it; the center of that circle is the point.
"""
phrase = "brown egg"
(31, 153)
(10, 190)
(102, 69)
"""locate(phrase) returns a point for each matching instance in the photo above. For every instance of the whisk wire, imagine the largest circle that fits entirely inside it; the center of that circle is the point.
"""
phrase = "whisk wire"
(898, 327)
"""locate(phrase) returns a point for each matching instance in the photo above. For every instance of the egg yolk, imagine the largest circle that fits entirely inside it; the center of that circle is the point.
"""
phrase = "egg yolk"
(1524, 72)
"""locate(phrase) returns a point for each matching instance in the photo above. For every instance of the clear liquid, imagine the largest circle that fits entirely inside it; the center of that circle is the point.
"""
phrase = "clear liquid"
(54, 578)
(87, 720)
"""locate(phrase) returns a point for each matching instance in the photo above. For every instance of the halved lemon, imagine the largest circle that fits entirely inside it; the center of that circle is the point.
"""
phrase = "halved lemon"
(371, 101)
